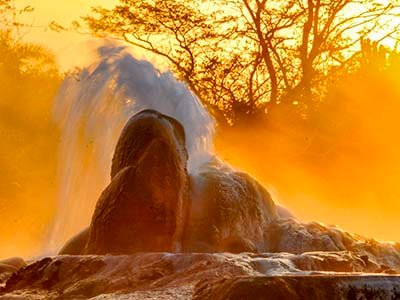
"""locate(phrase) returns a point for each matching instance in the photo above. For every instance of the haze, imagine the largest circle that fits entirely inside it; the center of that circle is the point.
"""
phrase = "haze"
(357, 187)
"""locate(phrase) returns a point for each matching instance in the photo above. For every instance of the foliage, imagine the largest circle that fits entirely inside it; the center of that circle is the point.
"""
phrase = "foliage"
(21, 59)
(10, 15)
(243, 57)
(29, 79)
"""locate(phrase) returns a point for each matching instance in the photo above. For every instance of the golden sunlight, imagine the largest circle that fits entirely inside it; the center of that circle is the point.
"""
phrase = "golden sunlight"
(324, 172)
(203, 149)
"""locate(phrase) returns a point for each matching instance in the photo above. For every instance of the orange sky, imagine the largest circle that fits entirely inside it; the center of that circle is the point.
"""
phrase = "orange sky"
(71, 49)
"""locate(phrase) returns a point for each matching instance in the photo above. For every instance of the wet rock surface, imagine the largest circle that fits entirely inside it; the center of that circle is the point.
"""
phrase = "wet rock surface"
(10, 266)
(143, 208)
(301, 287)
(201, 276)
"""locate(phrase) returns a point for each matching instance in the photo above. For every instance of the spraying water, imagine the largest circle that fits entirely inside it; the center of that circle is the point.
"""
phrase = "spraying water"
(91, 110)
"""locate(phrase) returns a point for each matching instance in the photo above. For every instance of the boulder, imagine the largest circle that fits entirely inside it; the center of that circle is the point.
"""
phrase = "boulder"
(77, 244)
(152, 204)
(16, 262)
(143, 207)
(142, 130)
(9, 266)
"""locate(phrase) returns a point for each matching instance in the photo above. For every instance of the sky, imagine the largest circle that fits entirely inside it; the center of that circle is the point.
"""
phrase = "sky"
(71, 49)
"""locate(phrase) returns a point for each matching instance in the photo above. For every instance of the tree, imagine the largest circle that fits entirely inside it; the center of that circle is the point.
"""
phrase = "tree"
(242, 57)
(9, 17)
(21, 59)
(29, 80)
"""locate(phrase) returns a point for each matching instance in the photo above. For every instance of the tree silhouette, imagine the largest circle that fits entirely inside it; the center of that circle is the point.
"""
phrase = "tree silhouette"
(242, 57)
(29, 80)
(22, 59)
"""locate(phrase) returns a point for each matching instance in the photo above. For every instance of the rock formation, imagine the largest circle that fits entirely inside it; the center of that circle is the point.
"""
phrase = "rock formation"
(77, 244)
(10, 266)
(152, 204)
(229, 211)
(143, 207)
(249, 247)
(145, 276)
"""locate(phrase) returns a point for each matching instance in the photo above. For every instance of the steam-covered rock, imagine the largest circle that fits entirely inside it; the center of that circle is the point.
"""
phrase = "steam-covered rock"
(230, 211)
(143, 207)
(292, 236)
(142, 130)
(77, 244)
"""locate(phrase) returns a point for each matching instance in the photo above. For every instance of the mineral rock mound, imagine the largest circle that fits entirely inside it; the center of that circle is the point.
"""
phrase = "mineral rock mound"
(229, 211)
(143, 207)
(152, 204)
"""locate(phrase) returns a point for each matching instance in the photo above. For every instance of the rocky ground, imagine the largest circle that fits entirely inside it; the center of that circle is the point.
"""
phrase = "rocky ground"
(310, 275)
(153, 207)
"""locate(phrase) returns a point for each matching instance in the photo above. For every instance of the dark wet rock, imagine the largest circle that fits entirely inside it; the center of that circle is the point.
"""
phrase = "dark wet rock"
(152, 205)
(143, 208)
(140, 131)
(229, 212)
(16, 262)
(198, 276)
(300, 287)
(76, 245)
(147, 206)
(10, 266)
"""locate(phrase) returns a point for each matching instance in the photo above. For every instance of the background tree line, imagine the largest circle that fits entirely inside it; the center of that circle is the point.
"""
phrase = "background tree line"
(245, 58)
(29, 79)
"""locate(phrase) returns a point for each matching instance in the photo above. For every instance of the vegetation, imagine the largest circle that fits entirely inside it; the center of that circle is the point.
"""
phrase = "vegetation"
(28, 82)
(246, 57)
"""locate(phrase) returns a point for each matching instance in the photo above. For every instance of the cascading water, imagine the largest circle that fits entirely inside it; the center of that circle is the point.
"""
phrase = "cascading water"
(91, 110)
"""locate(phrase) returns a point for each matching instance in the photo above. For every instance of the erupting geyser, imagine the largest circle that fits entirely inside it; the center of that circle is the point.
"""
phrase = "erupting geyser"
(153, 204)
(167, 191)
(91, 109)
